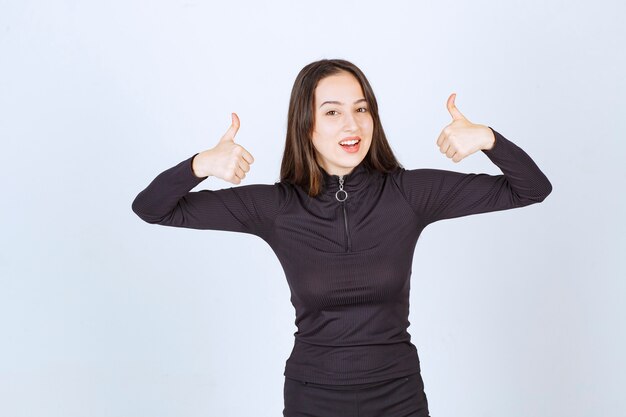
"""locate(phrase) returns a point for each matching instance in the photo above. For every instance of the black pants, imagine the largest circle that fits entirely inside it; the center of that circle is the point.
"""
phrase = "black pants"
(397, 397)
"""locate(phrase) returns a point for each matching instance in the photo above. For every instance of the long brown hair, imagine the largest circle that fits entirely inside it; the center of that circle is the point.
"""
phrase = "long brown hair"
(299, 165)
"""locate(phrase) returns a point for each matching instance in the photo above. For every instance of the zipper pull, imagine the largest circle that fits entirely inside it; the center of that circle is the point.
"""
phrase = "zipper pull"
(341, 190)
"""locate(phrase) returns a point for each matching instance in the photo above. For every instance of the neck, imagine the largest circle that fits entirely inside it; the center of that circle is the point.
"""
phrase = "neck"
(340, 172)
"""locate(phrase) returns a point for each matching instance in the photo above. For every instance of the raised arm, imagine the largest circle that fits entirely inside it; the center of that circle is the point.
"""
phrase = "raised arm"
(168, 201)
(436, 194)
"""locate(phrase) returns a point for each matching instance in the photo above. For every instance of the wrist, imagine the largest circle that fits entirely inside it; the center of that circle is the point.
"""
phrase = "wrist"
(491, 141)
(197, 166)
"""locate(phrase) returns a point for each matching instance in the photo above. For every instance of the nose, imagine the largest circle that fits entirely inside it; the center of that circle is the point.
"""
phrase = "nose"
(350, 124)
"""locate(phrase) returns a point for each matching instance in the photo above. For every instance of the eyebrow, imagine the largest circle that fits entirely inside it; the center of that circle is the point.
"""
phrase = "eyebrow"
(340, 103)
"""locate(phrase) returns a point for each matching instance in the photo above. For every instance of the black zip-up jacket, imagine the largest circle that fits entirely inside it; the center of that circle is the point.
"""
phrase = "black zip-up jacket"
(348, 263)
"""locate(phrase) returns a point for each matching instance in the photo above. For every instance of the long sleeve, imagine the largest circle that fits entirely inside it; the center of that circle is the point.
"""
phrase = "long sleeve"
(168, 201)
(436, 194)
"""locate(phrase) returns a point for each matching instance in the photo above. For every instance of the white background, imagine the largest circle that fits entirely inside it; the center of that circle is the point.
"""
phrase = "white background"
(514, 313)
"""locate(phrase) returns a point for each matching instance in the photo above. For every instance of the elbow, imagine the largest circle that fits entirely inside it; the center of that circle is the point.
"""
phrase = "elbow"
(544, 191)
(139, 211)
(539, 194)
(547, 189)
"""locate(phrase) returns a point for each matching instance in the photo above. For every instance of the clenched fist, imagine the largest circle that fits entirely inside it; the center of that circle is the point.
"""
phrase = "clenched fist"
(462, 138)
(227, 160)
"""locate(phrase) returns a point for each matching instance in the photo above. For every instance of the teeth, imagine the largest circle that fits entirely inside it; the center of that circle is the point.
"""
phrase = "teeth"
(349, 142)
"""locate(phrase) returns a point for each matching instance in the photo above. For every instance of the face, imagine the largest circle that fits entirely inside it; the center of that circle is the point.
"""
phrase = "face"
(345, 118)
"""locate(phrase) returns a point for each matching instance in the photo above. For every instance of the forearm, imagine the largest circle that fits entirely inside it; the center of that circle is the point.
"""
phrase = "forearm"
(523, 175)
(161, 196)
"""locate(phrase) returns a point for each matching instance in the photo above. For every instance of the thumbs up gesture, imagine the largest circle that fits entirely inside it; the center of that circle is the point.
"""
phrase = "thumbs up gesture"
(227, 160)
(461, 137)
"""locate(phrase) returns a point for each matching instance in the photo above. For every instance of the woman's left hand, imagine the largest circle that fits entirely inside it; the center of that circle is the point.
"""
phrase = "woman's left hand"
(462, 138)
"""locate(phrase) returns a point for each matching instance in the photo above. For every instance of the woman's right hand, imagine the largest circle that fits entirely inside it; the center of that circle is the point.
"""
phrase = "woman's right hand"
(227, 160)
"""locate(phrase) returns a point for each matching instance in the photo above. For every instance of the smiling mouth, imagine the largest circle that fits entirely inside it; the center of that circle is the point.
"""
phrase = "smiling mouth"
(351, 146)
(350, 142)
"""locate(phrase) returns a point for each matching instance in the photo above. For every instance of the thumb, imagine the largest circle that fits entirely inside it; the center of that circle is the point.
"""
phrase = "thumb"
(454, 112)
(232, 130)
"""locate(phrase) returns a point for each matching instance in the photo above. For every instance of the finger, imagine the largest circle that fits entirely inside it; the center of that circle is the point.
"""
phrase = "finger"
(232, 130)
(443, 142)
(441, 138)
(239, 173)
(454, 111)
(244, 165)
(247, 156)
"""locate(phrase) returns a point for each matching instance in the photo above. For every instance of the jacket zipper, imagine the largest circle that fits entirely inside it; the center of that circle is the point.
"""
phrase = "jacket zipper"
(342, 199)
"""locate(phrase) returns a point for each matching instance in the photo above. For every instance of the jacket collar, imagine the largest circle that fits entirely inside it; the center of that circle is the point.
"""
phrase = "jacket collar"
(355, 180)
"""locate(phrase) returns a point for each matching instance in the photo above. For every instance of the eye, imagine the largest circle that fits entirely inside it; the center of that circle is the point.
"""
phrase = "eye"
(335, 111)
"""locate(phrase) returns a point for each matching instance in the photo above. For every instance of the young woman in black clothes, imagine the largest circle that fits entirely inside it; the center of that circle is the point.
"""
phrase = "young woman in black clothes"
(343, 221)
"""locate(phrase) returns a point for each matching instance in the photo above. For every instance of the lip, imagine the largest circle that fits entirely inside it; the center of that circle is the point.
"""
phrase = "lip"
(350, 138)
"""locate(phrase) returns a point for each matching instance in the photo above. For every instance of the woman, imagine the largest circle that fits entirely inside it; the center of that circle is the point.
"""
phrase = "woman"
(343, 221)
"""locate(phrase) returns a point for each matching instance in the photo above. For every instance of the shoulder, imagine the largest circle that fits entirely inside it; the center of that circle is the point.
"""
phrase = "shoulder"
(271, 197)
(416, 182)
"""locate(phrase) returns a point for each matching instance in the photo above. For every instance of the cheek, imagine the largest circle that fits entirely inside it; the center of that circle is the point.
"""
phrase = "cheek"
(327, 131)
(321, 143)
(369, 124)
(325, 136)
